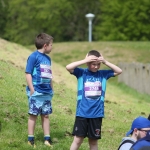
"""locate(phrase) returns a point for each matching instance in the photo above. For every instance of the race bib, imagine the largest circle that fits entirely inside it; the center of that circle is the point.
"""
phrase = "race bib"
(46, 71)
(92, 89)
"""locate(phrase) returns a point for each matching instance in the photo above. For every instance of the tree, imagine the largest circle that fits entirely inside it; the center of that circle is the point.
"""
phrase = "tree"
(3, 16)
(124, 20)
(65, 19)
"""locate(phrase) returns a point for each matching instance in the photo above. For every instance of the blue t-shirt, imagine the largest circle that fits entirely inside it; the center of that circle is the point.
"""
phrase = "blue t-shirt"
(39, 66)
(91, 92)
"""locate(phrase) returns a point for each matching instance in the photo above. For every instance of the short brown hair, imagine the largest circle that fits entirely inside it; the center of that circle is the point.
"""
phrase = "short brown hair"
(94, 52)
(42, 39)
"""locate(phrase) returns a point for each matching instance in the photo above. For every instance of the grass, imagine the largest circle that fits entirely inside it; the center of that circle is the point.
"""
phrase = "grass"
(122, 104)
(113, 51)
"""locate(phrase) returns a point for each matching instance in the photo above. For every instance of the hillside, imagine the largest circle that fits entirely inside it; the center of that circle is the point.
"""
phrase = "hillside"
(17, 55)
(113, 51)
(122, 103)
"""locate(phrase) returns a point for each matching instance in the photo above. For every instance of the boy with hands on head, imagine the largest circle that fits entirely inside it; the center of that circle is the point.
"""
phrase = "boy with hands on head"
(90, 97)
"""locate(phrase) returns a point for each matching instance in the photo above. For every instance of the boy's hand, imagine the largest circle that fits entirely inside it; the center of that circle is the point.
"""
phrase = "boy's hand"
(91, 58)
(31, 92)
(101, 59)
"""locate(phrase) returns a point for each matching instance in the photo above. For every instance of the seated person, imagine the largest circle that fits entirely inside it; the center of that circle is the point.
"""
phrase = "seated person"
(138, 130)
(143, 143)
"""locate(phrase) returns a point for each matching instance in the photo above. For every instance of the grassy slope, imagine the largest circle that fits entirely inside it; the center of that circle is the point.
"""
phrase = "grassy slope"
(121, 106)
(113, 51)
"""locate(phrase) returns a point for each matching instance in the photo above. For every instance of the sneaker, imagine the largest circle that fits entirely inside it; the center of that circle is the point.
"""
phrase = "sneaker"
(48, 142)
(31, 143)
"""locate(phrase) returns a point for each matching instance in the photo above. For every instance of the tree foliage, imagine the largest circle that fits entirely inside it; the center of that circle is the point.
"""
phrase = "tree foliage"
(3, 16)
(65, 20)
(124, 20)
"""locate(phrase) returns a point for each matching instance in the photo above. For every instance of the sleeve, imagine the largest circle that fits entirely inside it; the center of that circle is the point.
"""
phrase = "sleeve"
(30, 64)
(78, 72)
(108, 73)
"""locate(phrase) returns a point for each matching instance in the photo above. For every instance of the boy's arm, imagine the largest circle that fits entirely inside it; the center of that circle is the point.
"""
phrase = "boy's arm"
(115, 68)
(29, 82)
(70, 67)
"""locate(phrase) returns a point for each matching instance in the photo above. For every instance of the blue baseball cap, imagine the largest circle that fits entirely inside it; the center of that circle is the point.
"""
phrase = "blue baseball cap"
(139, 123)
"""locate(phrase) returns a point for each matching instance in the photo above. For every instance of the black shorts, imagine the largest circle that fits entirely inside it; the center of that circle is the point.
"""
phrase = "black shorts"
(87, 127)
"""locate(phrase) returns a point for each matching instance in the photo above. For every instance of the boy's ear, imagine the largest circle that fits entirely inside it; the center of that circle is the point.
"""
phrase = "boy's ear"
(45, 45)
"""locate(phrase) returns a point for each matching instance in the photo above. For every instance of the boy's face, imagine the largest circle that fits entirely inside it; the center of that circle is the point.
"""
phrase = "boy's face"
(48, 47)
(94, 66)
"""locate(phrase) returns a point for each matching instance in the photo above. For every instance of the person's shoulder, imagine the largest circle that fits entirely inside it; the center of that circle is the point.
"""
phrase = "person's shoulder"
(126, 143)
(82, 69)
(126, 146)
(33, 54)
(47, 56)
(78, 71)
(142, 145)
(105, 70)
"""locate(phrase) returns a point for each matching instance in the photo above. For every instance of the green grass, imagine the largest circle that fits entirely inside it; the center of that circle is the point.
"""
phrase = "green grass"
(113, 51)
(122, 104)
(14, 108)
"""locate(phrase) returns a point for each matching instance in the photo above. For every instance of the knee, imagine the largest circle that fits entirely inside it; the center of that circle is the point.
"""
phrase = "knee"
(45, 116)
(92, 142)
(78, 141)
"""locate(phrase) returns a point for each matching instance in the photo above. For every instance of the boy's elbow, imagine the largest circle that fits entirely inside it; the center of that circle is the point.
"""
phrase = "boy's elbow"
(118, 73)
(67, 67)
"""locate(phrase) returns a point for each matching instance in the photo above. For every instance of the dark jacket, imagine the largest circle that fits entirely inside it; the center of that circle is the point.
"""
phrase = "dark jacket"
(143, 143)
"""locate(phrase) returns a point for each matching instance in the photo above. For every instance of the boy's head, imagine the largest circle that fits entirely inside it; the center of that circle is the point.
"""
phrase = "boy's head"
(94, 52)
(43, 39)
(95, 65)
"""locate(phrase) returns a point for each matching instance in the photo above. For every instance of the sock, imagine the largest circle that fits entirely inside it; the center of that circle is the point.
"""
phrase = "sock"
(30, 137)
(47, 137)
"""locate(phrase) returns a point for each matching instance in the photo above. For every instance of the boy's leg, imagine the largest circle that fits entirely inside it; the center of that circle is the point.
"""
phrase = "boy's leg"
(93, 144)
(45, 124)
(94, 132)
(31, 127)
(46, 129)
(76, 143)
(46, 110)
(31, 124)
(34, 109)
(79, 132)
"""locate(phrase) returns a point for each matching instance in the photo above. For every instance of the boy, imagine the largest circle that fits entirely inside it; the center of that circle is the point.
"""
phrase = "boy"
(90, 100)
(39, 87)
